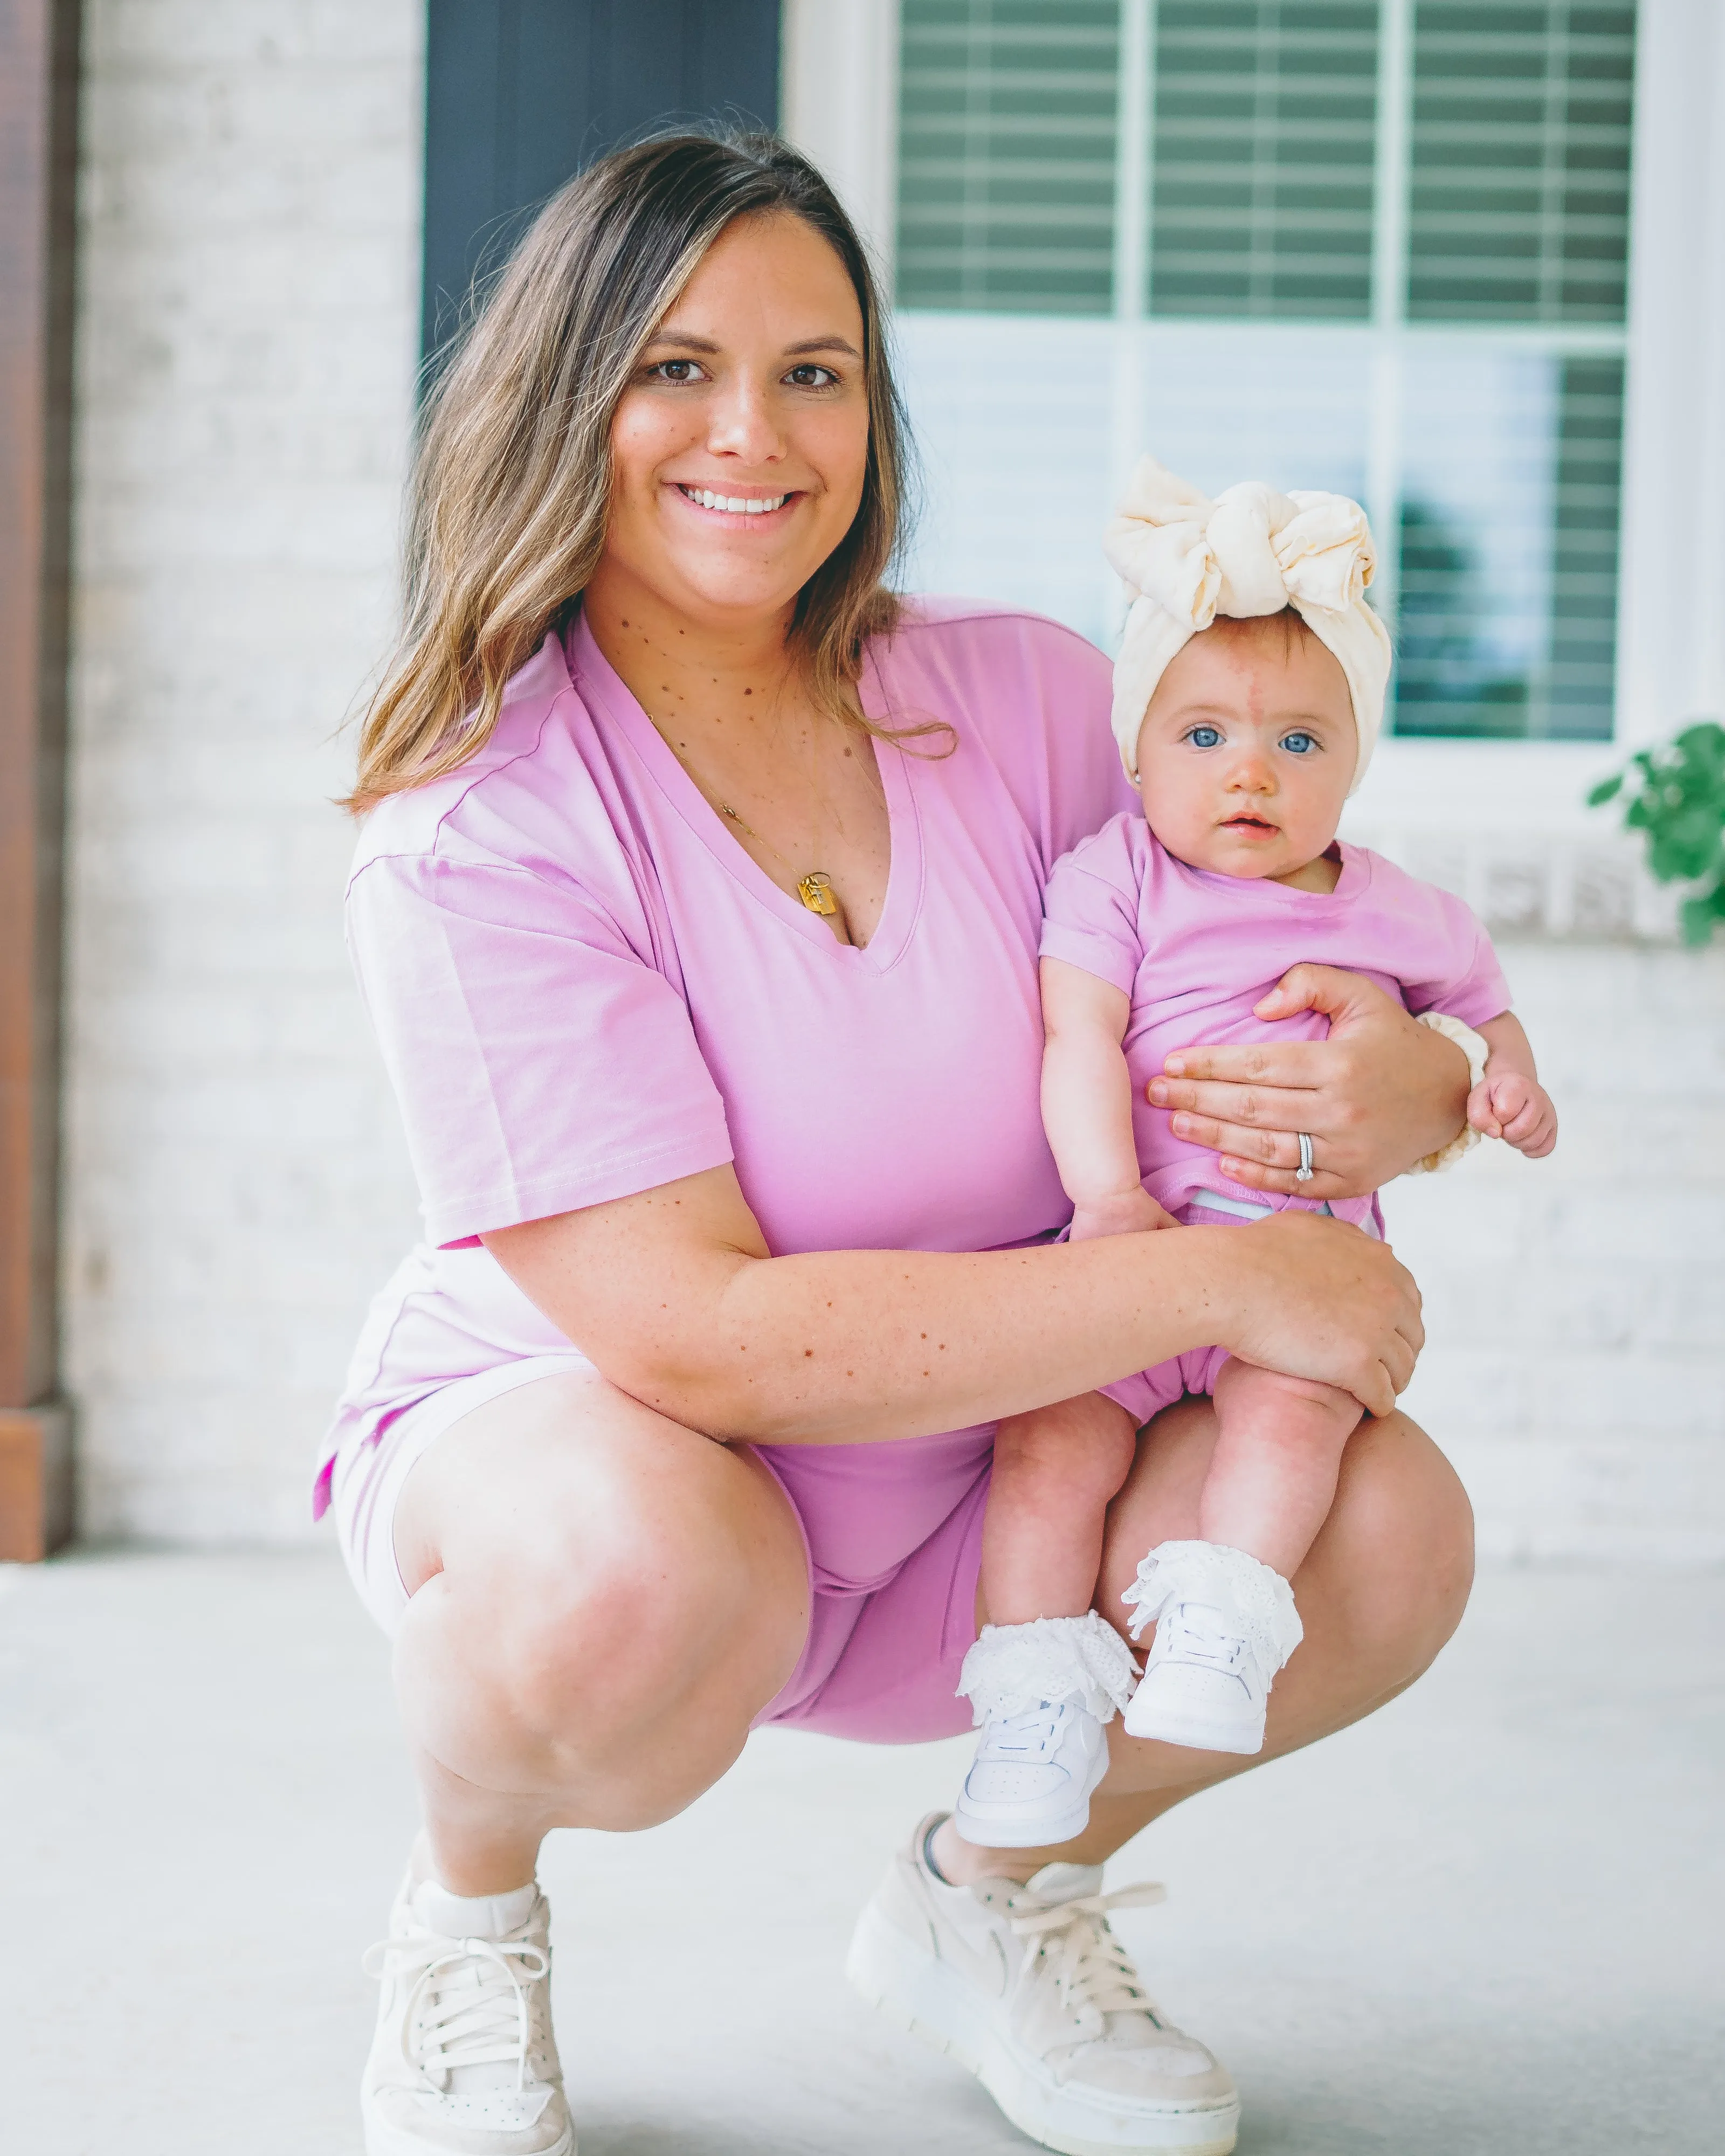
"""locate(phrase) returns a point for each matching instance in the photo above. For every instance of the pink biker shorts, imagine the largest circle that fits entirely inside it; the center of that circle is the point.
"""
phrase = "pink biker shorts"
(893, 1534)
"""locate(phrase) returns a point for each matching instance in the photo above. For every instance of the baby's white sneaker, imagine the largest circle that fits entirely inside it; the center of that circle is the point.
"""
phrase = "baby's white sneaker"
(1041, 1693)
(464, 2063)
(1225, 1625)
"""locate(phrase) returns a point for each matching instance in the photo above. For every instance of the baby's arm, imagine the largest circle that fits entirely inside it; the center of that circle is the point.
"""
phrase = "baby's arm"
(1087, 1103)
(1509, 1102)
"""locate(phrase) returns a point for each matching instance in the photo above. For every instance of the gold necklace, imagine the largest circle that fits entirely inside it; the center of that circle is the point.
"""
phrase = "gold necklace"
(815, 889)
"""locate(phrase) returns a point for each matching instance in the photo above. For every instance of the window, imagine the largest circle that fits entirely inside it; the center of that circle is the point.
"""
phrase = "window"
(1263, 149)
(1377, 245)
(1006, 156)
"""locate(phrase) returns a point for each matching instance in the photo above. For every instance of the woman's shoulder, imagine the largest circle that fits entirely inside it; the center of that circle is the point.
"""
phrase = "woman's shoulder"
(1029, 695)
(1017, 649)
(520, 800)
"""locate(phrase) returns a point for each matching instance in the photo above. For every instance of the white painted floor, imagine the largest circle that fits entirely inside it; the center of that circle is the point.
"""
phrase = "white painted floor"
(1492, 1919)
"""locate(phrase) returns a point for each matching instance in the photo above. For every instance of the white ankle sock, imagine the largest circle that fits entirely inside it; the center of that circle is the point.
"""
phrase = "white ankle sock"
(473, 1915)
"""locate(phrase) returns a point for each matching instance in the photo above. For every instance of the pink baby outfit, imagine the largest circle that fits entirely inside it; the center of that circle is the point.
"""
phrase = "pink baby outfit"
(583, 987)
(1195, 950)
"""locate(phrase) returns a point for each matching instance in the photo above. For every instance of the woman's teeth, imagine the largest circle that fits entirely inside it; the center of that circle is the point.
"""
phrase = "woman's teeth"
(735, 505)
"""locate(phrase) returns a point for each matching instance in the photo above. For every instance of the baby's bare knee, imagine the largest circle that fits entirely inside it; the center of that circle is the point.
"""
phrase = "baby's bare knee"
(1300, 1408)
(1082, 1446)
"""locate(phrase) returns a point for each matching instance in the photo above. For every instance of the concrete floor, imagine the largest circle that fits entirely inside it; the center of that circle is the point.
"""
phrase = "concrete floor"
(1490, 1919)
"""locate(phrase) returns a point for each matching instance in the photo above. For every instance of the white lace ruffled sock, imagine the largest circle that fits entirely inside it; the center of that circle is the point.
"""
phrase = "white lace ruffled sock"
(1012, 1668)
(1230, 1580)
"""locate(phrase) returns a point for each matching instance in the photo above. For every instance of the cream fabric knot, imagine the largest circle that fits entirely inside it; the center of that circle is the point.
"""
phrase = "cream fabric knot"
(1251, 552)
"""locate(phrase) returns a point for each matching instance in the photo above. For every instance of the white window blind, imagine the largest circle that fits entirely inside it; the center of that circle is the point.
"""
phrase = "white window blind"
(1519, 208)
(1379, 245)
(1264, 142)
(1006, 154)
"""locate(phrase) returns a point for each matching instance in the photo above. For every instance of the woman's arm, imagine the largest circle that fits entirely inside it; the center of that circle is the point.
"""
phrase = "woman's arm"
(673, 1295)
(1381, 1093)
(1087, 1103)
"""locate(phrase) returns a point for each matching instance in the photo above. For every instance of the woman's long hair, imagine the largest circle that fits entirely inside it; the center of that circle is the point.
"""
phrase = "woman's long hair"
(511, 483)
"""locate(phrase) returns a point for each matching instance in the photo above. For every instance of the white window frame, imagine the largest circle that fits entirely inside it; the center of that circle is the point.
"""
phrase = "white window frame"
(1520, 801)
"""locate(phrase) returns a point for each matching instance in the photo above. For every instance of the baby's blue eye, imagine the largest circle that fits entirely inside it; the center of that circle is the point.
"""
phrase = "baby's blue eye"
(1298, 744)
(1205, 736)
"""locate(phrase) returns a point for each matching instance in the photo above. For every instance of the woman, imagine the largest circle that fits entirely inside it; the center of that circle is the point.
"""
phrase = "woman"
(696, 907)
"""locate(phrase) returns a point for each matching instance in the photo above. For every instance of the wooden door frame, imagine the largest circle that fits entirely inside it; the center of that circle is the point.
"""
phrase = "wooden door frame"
(38, 135)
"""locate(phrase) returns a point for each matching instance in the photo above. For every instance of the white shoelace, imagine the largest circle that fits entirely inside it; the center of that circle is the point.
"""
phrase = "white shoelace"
(1198, 1638)
(1089, 1966)
(1035, 1734)
(482, 2019)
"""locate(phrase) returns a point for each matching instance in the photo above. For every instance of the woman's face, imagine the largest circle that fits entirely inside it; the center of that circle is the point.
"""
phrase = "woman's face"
(739, 448)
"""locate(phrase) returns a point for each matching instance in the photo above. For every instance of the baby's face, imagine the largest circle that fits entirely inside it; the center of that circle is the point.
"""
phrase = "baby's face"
(1247, 750)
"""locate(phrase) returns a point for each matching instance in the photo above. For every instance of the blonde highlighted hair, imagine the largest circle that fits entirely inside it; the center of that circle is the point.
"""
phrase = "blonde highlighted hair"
(511, 490)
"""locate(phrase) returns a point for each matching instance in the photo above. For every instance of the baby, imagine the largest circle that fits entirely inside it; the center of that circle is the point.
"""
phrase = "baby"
(1247, 699)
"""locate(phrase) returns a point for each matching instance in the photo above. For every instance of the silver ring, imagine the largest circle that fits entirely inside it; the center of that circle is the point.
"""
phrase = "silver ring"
(1302, 1174)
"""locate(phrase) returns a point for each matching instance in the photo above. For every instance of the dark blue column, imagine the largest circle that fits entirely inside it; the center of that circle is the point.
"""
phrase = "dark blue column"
(522, 94)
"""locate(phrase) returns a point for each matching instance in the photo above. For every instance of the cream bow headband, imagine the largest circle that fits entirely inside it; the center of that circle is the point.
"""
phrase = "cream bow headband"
(1186, 559)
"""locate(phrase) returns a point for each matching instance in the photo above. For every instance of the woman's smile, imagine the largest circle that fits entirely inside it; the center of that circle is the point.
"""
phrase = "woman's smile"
(737, 504)
(756, 369)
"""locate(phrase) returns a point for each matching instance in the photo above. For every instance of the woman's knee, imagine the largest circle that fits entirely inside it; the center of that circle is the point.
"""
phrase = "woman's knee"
(1397, 1551)
(598, 1588)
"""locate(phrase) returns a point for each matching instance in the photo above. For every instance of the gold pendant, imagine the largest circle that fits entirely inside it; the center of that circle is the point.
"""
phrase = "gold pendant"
(815, 889)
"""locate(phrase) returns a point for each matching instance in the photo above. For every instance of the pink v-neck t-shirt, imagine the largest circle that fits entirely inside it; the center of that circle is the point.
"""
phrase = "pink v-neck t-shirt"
(583, 987)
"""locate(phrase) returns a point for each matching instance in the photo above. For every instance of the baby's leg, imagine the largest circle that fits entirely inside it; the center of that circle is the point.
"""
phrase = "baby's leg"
(1224, 1611)
(1047, 1673)
(1056, 1469)
(1272, 1475)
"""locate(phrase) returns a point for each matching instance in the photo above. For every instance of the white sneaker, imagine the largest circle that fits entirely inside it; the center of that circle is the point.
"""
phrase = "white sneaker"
(1028, 1989)
(1225, 1625)
(464, 2063)
(1029, 1785)
(1041, 1693)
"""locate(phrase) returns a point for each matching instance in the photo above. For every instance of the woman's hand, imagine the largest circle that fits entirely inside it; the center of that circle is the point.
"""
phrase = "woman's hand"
(1320, 1299)
(1382, 1092)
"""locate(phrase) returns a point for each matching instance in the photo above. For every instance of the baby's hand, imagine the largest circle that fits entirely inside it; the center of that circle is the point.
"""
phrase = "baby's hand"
(1130, 1211)
(1517, 1110)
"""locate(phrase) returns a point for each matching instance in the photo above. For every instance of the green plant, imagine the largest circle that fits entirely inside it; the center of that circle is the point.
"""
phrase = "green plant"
(1677, 797)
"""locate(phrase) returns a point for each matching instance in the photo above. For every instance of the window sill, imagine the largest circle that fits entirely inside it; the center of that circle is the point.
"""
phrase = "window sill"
(1506, 825)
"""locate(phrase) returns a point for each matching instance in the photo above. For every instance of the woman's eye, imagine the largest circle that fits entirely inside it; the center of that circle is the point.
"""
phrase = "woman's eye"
(1298, 744)
(812, 376)
(675, 370)
(1205, 736)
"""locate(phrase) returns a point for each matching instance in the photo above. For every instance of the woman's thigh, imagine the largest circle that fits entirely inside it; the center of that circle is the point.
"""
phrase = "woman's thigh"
(1380, 1592)
(595, 1590)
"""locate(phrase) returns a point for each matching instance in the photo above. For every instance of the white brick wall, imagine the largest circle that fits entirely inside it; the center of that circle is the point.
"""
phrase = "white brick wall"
(248, 324)
(236, 1186)
(1576, 1305)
